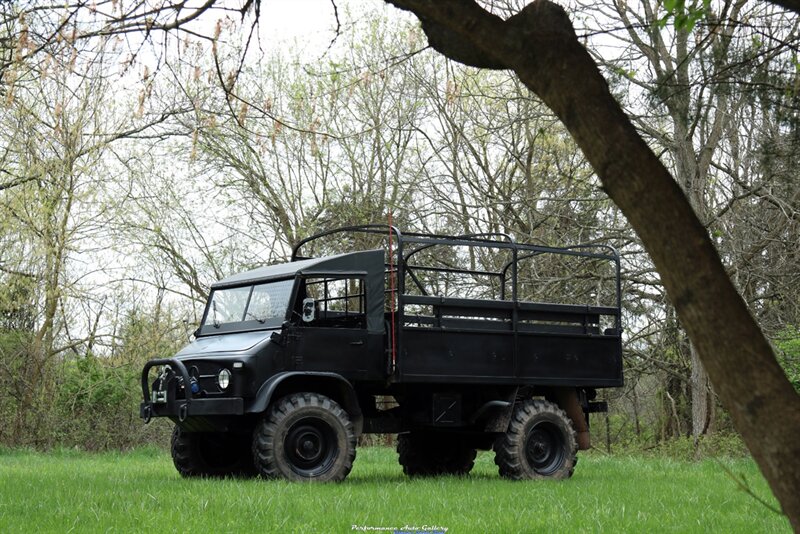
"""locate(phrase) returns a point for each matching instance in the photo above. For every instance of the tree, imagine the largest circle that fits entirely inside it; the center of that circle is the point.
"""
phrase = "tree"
(693, 93)
(342, 152)
(58, 133)
(540, 45)
(50, 151)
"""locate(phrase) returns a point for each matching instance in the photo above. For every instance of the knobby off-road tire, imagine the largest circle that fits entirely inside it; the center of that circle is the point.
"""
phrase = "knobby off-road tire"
(540, 443)
(305, 437)
(207, 454)
(434, 453)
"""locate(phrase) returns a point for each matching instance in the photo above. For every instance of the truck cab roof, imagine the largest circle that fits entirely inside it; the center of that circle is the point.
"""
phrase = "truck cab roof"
(362, 262)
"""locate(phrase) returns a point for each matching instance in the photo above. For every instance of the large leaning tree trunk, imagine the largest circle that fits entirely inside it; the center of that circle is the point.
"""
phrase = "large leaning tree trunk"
(539, 44)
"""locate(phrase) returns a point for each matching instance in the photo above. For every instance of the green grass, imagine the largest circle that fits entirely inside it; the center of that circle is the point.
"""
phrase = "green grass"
(141, 492)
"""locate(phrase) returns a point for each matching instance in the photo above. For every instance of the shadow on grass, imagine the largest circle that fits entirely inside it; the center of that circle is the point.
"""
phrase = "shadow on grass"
(367, 479)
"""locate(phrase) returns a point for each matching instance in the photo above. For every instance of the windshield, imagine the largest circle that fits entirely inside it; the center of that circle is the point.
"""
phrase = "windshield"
(249, 307)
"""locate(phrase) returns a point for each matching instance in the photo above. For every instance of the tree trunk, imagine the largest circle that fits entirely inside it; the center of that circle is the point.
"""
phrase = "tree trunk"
(540, 45)
(701, 405)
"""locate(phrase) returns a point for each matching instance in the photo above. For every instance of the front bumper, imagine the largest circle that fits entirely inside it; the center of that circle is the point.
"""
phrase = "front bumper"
(189, 406)
(197, 407)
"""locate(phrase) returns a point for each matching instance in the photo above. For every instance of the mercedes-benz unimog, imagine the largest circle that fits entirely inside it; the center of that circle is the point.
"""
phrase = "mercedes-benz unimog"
(455, 343)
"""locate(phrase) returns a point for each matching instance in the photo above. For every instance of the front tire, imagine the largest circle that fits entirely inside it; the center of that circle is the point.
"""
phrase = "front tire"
(210, 454)
(540, 443)
(424, 454)
(305, 437)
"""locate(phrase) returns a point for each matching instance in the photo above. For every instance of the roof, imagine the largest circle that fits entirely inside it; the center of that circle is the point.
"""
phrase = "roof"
(351, 262)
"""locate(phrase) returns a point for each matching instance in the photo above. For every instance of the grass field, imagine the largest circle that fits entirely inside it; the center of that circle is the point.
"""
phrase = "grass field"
(141, 492)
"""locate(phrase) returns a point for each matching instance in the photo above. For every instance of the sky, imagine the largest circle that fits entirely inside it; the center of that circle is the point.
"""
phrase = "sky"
(308, 24)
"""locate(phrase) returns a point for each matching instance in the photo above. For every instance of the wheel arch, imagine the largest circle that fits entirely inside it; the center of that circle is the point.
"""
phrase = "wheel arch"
(331, 385)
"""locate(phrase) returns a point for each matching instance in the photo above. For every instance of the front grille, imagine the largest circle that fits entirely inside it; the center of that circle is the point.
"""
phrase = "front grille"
(206, 375)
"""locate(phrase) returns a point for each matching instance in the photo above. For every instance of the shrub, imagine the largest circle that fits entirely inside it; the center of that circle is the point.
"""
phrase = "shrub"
(787, 347)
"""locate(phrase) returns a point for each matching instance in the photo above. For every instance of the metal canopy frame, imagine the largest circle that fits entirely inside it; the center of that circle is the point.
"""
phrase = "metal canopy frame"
(409, 244)
(520, 251)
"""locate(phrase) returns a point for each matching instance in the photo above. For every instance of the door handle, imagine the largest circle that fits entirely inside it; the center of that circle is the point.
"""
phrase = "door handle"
(356, 342)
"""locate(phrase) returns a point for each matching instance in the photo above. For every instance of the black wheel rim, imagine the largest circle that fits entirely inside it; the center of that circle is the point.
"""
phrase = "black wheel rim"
(544, 448)
(310, 447)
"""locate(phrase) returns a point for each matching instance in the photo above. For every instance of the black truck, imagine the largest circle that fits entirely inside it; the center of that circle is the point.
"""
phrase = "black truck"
(451, 342)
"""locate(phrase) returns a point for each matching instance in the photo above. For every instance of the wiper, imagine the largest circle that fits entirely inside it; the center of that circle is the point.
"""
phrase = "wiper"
(214, 309)
(254, 316)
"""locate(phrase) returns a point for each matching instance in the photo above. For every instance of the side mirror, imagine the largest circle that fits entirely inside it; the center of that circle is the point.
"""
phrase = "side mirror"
(309, 310)
(276, 338)
(279, 338)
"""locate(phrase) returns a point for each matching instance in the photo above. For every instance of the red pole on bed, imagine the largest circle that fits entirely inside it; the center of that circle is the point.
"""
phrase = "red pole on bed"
(392, 295)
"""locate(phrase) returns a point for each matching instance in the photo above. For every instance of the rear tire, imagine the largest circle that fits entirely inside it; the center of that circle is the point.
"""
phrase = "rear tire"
(305, 437)
(425, 454)
(211, 454)
(540, 443)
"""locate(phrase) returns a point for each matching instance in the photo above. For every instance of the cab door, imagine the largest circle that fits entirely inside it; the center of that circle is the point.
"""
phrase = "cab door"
(330, 330)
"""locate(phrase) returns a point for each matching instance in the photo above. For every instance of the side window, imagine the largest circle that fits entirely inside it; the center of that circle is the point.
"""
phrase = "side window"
(338, 302)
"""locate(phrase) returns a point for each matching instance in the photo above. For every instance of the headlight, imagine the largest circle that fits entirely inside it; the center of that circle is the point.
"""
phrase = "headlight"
(224, 378)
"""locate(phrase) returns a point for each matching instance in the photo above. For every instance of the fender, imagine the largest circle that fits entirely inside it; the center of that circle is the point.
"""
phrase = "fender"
(332, 384)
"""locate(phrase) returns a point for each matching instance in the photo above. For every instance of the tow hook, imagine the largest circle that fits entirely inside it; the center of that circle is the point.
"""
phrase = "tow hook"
(148, 414)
